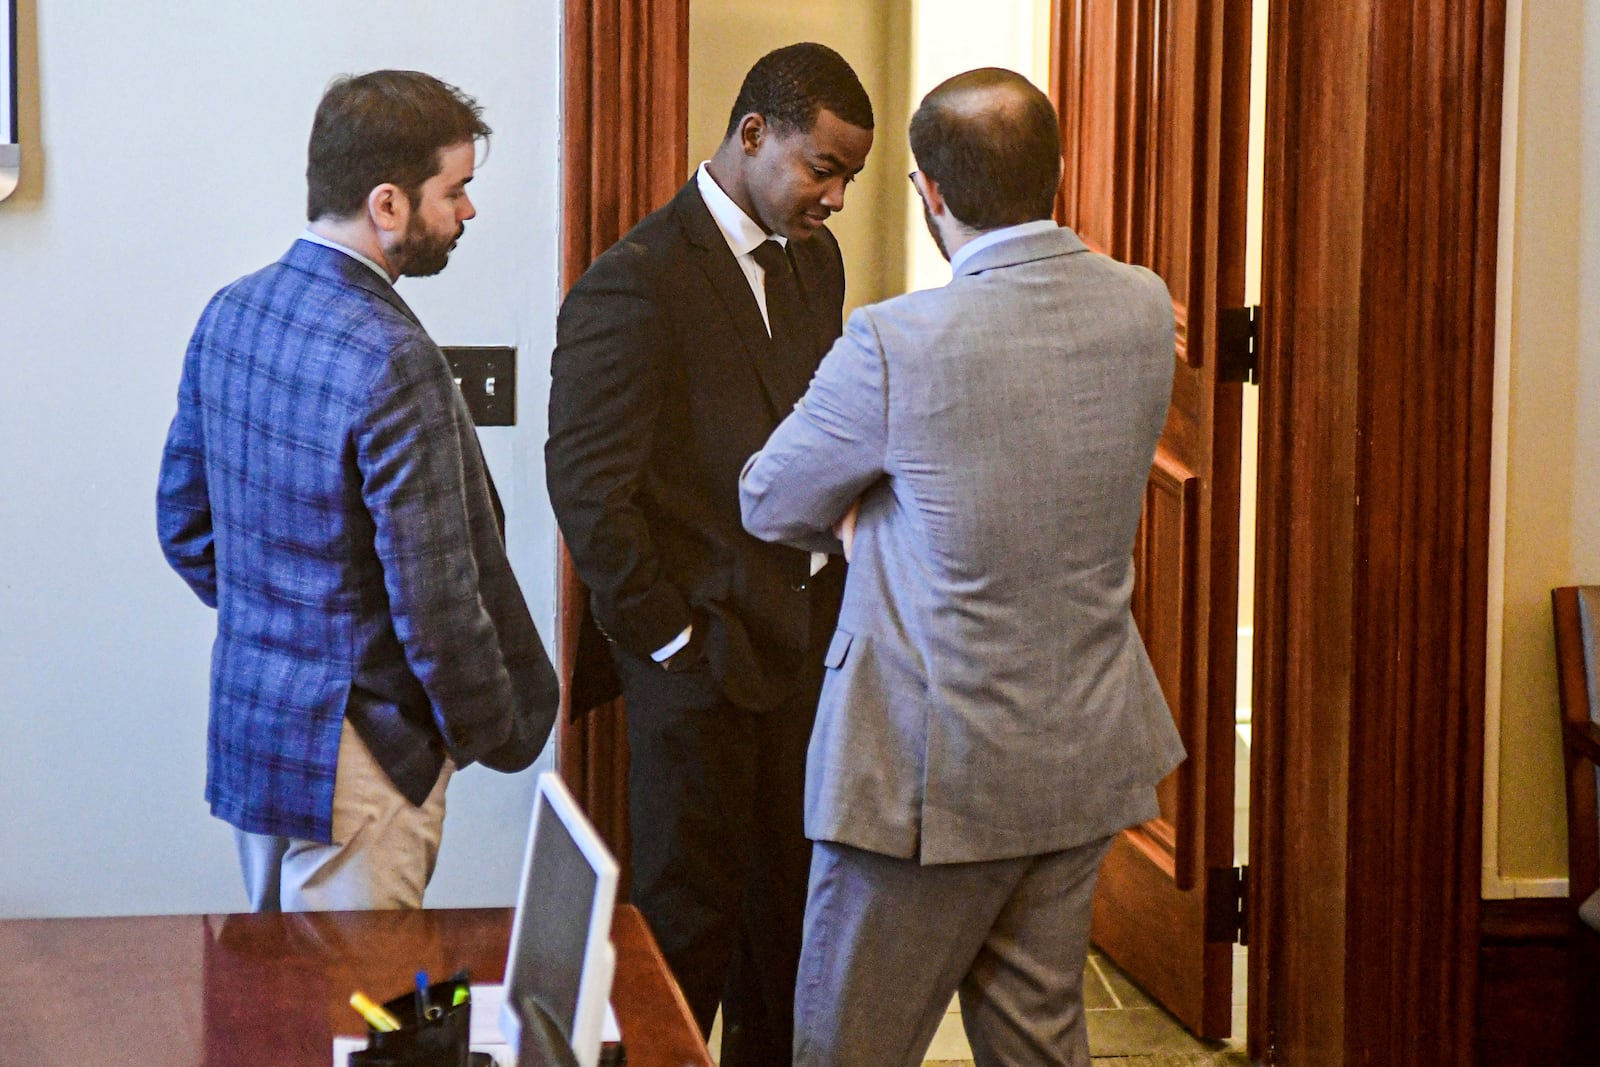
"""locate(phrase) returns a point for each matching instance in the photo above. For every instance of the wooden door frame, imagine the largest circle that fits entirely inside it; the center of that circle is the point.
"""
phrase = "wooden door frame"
(624, 146)
(1382, 194)
(1383, 140)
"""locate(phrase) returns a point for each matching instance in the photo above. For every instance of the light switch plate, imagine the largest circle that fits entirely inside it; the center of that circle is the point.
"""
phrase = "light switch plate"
(487, 376)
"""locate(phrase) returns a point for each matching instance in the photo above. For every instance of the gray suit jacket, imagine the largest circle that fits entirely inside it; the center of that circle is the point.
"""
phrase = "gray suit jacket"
(987, 694)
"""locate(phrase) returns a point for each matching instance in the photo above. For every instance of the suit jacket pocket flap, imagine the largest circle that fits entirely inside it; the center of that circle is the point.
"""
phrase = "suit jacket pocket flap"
(838, 648)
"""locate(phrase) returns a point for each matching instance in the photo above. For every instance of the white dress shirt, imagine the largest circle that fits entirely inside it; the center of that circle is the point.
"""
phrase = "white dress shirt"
(318, 239)
(743, 234)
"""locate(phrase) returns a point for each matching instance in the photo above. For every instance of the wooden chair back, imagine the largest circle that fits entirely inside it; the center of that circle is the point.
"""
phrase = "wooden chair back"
(1577, 621)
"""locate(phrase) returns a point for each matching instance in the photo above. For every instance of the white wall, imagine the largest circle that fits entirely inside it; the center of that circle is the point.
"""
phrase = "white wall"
(164, 155)
(946, 40)
(1546, 507)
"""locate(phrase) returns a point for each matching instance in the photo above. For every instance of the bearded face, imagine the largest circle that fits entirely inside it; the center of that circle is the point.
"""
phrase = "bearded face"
(424, 251)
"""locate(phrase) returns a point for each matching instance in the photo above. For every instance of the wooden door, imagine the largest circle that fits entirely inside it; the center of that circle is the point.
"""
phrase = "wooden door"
(1154, 98)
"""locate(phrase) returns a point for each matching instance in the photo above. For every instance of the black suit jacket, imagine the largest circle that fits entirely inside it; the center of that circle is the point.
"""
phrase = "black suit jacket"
(664, 382)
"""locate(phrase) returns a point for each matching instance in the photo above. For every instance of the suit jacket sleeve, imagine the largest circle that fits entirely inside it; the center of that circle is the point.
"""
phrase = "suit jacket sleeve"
(605, 392)
(829, 450)
(413, 481)
(183, 500)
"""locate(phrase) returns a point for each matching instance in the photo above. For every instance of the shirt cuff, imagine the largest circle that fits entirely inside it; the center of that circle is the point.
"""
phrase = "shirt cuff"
(664, 653)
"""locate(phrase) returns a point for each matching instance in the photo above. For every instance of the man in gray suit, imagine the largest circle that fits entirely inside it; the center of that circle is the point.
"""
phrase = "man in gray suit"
(989, 719)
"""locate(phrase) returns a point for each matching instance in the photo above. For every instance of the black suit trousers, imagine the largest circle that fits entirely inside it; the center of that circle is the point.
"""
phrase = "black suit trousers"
(720, 858)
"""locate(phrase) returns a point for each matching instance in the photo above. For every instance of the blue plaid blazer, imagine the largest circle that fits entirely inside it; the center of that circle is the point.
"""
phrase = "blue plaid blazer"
(323, 489)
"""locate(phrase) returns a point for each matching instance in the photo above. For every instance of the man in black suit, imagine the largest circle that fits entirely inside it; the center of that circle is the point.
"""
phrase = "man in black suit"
(677, 354)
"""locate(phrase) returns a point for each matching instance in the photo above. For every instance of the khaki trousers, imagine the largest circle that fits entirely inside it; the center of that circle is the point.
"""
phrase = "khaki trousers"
(382, 855)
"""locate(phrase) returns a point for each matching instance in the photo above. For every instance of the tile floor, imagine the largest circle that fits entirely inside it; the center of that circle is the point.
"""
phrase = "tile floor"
(1124, 1024)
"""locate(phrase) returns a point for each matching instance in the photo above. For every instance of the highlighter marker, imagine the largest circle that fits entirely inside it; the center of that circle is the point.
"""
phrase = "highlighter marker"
(376, 1016)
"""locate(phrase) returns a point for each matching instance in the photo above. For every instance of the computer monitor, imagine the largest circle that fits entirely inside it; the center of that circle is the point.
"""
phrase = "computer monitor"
(561, 960)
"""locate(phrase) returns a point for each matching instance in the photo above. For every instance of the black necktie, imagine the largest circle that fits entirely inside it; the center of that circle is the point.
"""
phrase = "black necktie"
(783, 294)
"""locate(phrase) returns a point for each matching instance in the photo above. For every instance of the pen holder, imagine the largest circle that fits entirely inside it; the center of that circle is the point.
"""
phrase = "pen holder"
(440, 1041)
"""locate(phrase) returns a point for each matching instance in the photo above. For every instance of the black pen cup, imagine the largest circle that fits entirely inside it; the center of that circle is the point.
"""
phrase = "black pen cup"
(426, 1038)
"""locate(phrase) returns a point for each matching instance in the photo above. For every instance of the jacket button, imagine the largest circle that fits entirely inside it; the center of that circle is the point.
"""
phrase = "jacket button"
(798, 587)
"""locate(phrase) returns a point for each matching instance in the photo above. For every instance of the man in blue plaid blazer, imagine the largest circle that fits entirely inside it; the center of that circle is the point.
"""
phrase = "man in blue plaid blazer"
(323, 489)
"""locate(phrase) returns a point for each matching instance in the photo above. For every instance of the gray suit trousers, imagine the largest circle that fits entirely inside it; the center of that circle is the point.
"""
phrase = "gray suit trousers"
(888, 941)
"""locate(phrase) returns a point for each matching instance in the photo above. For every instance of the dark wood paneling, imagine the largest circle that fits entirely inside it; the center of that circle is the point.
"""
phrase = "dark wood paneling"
(1537, 989)
(1305, 530)
(1161, 595)
(1101, 127)
(625, 138)
(1422, 528)
(1382, 195)
(1163, 598)
(1174, 156)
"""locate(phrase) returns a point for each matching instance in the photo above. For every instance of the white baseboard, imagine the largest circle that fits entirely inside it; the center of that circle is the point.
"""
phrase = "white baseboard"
(1497, 887)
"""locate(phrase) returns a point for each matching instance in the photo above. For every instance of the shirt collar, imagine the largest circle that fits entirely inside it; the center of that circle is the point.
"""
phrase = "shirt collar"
(994, 237)
(742, 233)
(318, 239)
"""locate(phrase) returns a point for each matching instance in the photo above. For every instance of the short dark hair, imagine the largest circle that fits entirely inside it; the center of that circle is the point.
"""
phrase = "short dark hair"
(790, 85)
(384, 126)
(989, 138)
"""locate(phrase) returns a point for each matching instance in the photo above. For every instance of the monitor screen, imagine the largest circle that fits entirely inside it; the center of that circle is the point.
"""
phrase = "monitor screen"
(560, 955)
(560, 896)
(9, 133)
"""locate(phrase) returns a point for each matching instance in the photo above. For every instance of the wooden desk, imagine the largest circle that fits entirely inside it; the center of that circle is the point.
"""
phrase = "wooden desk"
(273, 990)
